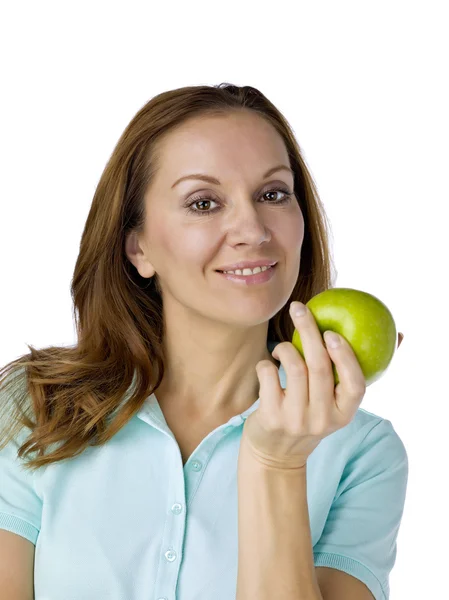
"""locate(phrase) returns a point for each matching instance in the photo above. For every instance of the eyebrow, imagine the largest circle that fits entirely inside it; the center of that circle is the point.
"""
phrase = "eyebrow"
(216, 182)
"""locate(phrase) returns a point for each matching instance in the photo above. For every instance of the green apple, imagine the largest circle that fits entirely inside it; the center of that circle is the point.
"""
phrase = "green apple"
(365, 323)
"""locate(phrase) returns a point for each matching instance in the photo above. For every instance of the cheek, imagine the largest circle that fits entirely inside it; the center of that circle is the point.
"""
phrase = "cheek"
(290, 231)
(189, 245)
(299, 229)
(162, 244)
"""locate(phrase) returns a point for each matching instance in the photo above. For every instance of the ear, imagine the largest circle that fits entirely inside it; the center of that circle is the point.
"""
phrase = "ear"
(136, 255)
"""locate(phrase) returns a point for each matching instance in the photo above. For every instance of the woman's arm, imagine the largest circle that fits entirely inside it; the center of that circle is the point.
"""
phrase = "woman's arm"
(275, 544)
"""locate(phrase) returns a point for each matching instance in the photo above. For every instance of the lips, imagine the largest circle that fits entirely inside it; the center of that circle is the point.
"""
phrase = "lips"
(249, 264)
(252, 269)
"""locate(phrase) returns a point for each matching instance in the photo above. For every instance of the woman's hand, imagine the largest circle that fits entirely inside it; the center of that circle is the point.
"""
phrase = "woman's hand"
(289, 425)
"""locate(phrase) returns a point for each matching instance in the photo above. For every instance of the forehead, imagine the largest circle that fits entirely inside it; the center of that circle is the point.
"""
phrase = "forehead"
(217, 144)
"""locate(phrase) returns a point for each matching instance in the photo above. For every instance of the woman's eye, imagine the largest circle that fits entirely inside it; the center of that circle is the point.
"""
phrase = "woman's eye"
(206, 199)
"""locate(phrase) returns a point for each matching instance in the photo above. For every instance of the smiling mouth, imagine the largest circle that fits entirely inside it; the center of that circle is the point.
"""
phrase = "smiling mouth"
(233, 273)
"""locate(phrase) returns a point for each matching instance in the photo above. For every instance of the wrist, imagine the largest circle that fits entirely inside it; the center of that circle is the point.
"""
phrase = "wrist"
(271, 462)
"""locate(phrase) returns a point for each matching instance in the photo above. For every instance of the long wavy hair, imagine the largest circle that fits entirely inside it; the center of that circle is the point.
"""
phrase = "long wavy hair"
(69, 398)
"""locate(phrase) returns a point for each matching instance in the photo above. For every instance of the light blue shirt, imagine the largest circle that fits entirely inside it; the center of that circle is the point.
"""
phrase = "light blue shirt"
(127, 521)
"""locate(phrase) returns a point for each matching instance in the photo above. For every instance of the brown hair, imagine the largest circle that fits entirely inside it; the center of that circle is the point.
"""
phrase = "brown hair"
(76, 391)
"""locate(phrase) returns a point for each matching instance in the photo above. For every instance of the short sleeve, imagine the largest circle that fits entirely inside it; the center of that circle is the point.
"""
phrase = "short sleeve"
(20, 505)
(360, 533)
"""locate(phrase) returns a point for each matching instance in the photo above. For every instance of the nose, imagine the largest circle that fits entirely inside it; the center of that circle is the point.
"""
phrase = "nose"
(246, 225)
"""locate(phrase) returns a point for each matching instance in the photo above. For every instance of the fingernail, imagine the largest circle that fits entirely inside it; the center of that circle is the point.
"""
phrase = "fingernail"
(332, 339)
(298, 309)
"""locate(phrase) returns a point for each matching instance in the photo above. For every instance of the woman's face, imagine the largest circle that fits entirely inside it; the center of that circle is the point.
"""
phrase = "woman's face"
(244, 223)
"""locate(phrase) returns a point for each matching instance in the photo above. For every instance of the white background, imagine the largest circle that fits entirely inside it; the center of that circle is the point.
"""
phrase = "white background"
(364, 85)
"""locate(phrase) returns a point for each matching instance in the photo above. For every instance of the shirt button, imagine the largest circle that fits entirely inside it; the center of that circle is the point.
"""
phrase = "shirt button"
(196, 465)
(176, 508)
(170, 555)
(164, 598)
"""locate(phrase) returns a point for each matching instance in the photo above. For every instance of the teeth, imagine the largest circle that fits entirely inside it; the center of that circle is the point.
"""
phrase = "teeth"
(248, 271)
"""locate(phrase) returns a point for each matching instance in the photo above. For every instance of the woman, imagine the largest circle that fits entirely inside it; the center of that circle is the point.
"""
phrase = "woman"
(140, 492)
